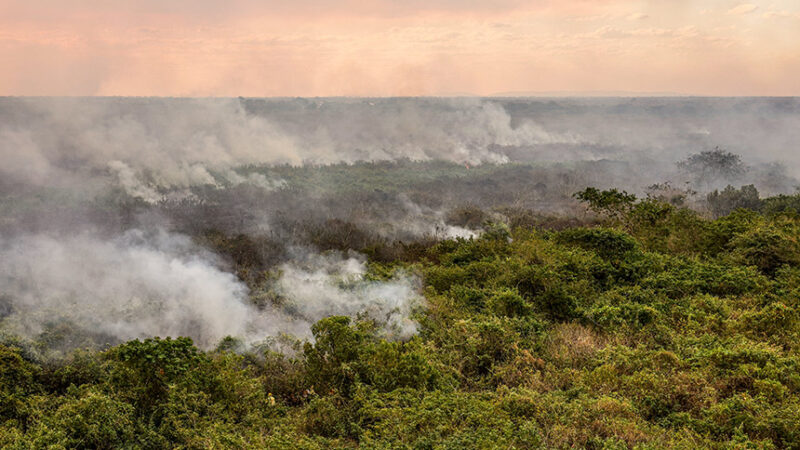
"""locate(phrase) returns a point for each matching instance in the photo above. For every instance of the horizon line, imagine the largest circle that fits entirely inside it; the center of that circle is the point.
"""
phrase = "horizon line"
(542, 95)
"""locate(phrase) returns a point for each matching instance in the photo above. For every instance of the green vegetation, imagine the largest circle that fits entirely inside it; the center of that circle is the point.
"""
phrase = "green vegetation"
(655, 328)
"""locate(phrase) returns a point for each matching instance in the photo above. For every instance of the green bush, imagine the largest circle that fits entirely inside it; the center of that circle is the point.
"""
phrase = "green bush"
(146, 369)
(730, 199)
(18, 381)
(609, 244)
(767, 248)
(92, 421)
(654, 327)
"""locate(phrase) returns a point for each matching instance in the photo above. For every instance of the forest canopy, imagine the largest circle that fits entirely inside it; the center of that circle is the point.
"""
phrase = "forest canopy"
(646, 325)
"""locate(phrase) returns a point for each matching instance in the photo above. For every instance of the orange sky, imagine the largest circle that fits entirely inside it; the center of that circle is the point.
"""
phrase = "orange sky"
(398, 47)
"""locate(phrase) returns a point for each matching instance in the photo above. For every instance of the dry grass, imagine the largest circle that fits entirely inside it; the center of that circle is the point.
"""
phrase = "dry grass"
(572, 344)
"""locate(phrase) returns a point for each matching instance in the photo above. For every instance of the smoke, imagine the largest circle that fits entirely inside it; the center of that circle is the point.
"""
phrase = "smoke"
(160, 284)
(421, 220)
(20, 157)
(148, 145)
(458, 130)
(73, 249)
(131, 184)
(318, 286)
(135, 285)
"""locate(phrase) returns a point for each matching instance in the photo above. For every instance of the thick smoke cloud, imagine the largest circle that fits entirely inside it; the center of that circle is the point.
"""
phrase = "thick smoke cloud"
(160, 284)
(148, 145)
(132, 286)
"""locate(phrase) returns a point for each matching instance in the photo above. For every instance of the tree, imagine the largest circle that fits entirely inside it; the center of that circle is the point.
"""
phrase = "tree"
(730, 199)
(707, 167)
(149, 367)
(612, 203)
(767, 248)
(332, 361)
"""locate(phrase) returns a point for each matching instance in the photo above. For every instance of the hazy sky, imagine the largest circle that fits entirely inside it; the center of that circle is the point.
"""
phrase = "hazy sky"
(398, 47)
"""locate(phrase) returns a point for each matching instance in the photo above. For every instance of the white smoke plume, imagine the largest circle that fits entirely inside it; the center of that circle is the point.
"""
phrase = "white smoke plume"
(159, 284)
(150, 145)
(131, 184)
(129, 287)
(318, 286)
(423, 221)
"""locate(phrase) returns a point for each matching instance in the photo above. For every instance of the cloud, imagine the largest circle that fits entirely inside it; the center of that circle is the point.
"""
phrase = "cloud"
(744, 8)
(772, 14)
(382, 48)
(637, 16)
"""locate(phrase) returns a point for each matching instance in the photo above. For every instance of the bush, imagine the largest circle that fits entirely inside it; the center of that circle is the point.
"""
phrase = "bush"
(331, 362)
(730, 199)
(93, 421)
(331, 416)
(609, 244)
(767, 248)
(611, 203)
(509, 303)
(147, 368)
(782, 204)
(18, 381)
(709, 166)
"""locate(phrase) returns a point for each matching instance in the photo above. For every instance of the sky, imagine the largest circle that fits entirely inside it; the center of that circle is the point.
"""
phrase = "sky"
(399, 47)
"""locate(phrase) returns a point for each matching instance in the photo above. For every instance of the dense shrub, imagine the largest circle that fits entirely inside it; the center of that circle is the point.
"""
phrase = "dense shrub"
(730, 199)
(654, 327)
(767, 248)
(608, 243)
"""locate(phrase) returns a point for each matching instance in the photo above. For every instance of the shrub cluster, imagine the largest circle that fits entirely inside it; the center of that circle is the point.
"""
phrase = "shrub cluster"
(657, 328)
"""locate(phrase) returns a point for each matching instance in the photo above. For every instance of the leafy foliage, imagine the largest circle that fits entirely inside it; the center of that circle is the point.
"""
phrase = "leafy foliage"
(611, 202)
(729, 199)
(658, 328)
